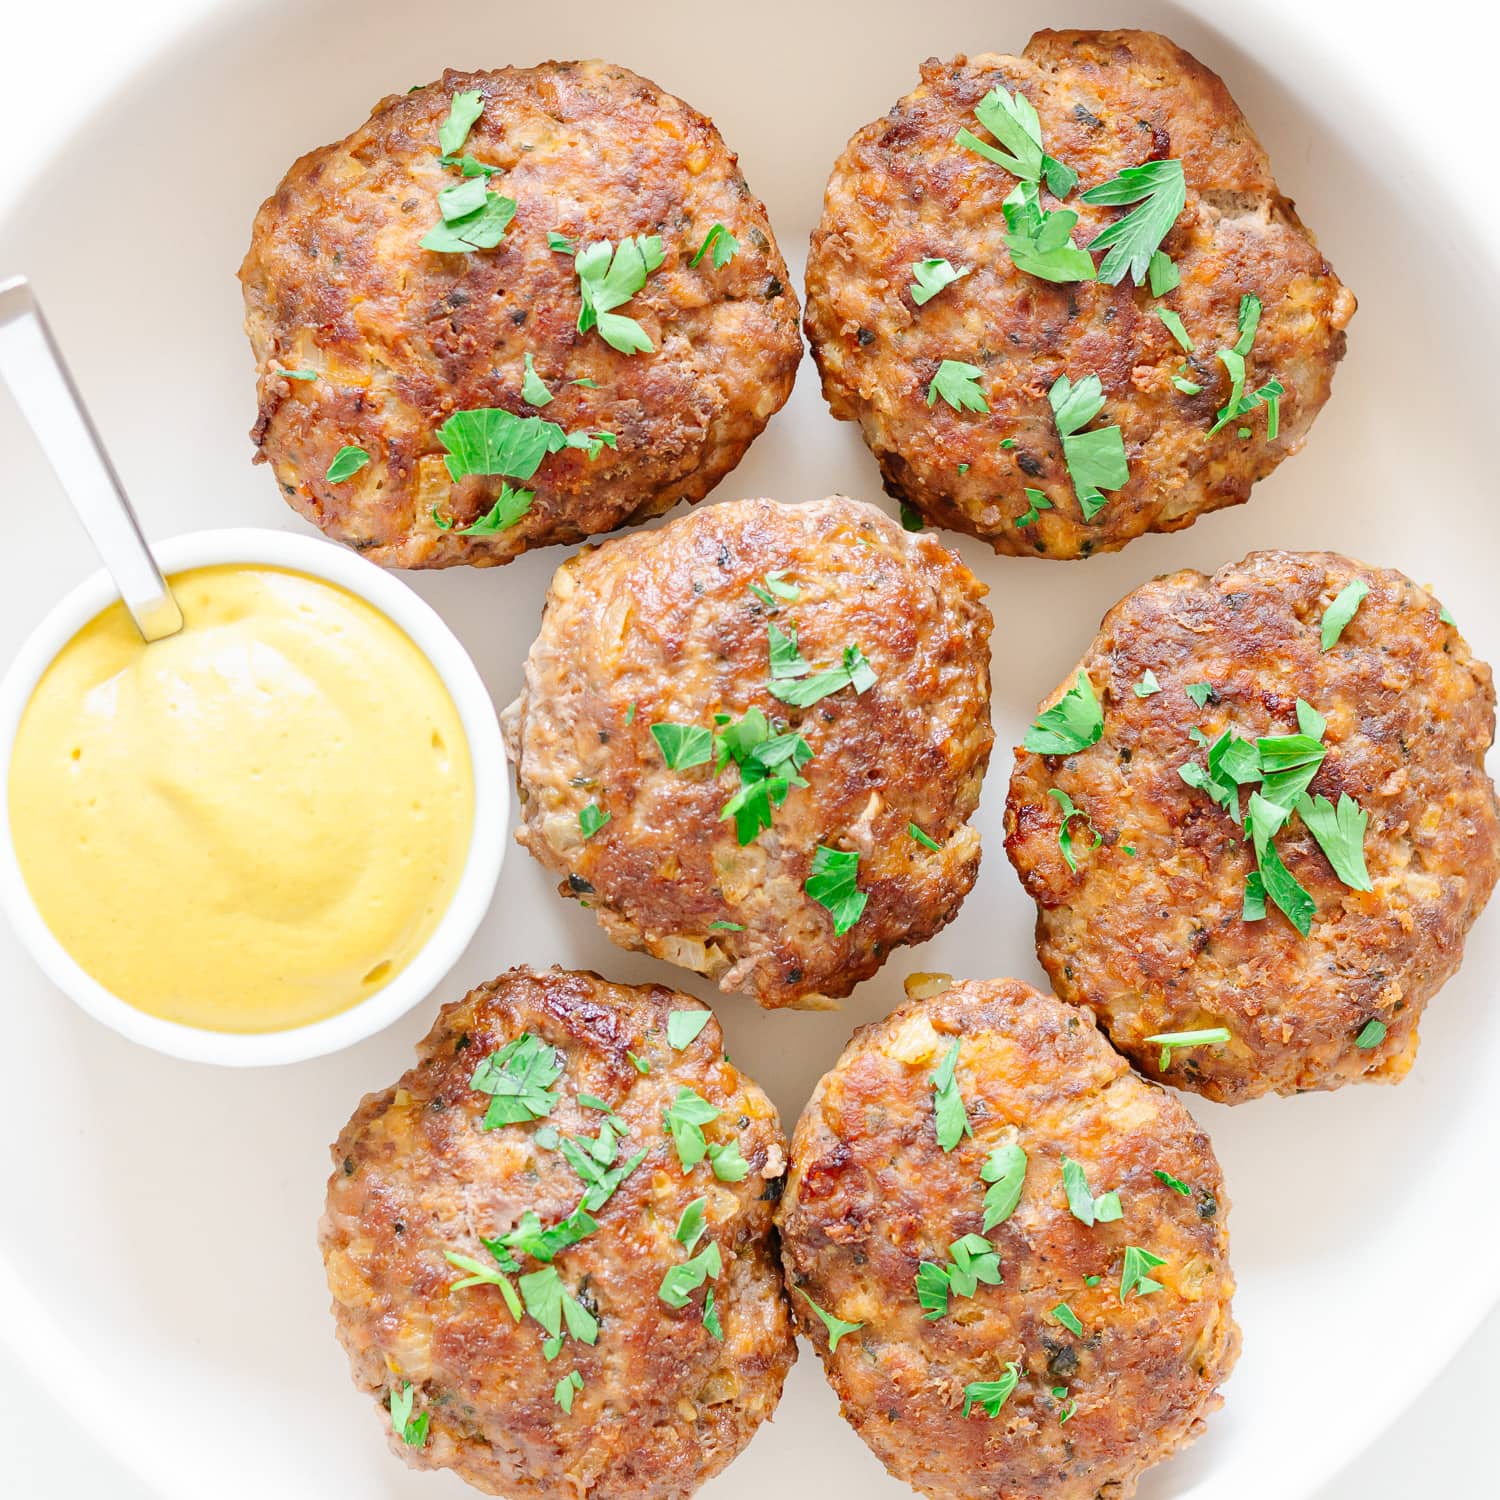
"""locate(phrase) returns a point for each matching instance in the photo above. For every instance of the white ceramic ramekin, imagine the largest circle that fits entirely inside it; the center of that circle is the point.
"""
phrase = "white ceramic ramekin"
(321, 559)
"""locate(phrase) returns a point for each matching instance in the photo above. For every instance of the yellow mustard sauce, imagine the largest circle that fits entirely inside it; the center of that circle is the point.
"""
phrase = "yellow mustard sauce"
(250, 825)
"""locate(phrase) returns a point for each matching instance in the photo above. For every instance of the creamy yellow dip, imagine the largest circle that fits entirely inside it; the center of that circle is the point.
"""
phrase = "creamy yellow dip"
(250, 825)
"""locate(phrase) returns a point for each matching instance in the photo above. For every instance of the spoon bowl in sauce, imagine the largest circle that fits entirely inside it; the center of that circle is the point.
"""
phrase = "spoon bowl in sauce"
(267, 836)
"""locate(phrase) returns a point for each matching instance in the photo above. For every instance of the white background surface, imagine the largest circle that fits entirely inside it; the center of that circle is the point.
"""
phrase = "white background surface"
(55, 59)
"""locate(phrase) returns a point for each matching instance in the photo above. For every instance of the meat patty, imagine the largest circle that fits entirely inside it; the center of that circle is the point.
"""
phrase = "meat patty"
(1004, 1344)
(783, 714)
(399, 338)
(905, 191)
(606, 1174)
(1154, 930)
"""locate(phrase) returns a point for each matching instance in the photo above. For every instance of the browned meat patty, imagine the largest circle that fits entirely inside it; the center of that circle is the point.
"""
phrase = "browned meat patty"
(783, 714)
(400, 338)
(1004, 1344)
(906, 191)
(628, 1332)
(1154, 930)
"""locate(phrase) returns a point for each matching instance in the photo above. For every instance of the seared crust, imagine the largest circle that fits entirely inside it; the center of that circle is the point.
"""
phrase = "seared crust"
(663, 1405)
(663, 627)
(904, 190)
(870, 1195)
(1156, 942)
(402, 337)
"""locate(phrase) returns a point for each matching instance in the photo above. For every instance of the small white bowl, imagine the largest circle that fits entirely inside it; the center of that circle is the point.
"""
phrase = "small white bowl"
(487, 842)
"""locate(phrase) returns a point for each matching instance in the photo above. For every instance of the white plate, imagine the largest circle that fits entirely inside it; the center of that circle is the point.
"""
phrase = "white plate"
(157, 1262)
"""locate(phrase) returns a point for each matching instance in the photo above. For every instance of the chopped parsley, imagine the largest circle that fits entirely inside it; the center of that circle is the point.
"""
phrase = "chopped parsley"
(1005, 1171)
(1170, 1041)
(722, 243)
(510, 505)
(911, 517)
(347, 462)
(1187, 387)
(1013, 122)
(1070, 1408)
(1371, 1034)
(1338, 614)
(1147, 685)
(519, 1079)
(413, 1431)
(552, 1305)
(683, 745)
(1199, 692)
(491, 440)
(1175, 327)
(685, 1118)
(958, 384)
(927, 843)
(681, 1281)
(711, 1317)
(832, 885)
(1073, 723)
(533, 387)
(1040, 241)
(773, 589)
(591, 818)
(594, 1160)
(463, 111)
(1086, 1208)
(1233, 360)
(608, 277)
(541, 1241)
(1096, 460)
(1068, 1318)
(726, 926)
(950, 1119)
(1340, 832)
(837, 1327)
(1038, 502)
(1133, 1274)
(296, 374)
(639, 1064)
(690, 1225)
(788, 666)
(1159, 190)
(483, 1275)
(727, 1162)
(1175, 1183)
(560, 243)
(768, 765)
(1264, 819)
(930, 276)
(474, 218)
(565, 1389)
(972, 1259)
(683, 1027)
(991, 1395)
(1163, 274)
(1065, 830)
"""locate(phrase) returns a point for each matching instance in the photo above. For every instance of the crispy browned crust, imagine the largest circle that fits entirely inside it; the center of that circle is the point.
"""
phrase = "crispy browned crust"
(870, 1195)
(663, 627)
(402, 337)
(904, 190)
(1156, 942)
(664, 1405)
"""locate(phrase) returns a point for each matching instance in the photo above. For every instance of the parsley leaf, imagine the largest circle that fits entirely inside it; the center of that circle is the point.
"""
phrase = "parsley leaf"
(1086, 1208)
(483, 1275)
(608, 277)
(1065, 832)
(640, 1064)
(837, 1327)
(958, 385)
(1068, 1318)
(683, 1027)
(1096, 460)
(1265, 819)
(911, 517)
(295, 374)
(1013, 121)
(773, 588)
(1341, 611)
(991, 1395)
(1163, 274)
(1169, 1041)
(685, 1118)
(1038, 503)
(727, 1163)
(560, 243)
(481, 229)
(923, 839)
(1199, 692)
(1160, 190)
(711, 1317)
(683, 745)
(1073, 723)
(690, 1226)
(543, 1241)
(930, 276)
(1340, 833)
(1175, 328)
(591, 818)
(950, 1119)
(1133, 1277)
(972, 1260)
(723, 244)
(1005, 1171)
(1254, 907)
(1371, 1034)
(463, 111)
(593, 1161)
(533, 387)
(1172, 1182)
(832, 885)
(681, 1281)
(1147, 685)
(1040, 242)
(565, 1389)
(348, 461)
(727, 926)
(491, 440)
(855, 672)
(551, 1304)
(413, 1433)
(510, 505)
(518, 1077)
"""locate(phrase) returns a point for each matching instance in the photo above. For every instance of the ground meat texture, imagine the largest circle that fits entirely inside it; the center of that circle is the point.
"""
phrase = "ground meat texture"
(401, 337)
(666, 627)
(663, 1405)
(1149, 931)
(871, 1195)
(904, 191)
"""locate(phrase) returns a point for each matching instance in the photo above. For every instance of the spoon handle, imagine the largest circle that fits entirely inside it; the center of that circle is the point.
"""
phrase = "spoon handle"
(32, 366)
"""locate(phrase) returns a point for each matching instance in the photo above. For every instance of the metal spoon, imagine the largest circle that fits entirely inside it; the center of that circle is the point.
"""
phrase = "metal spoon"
(32, 366)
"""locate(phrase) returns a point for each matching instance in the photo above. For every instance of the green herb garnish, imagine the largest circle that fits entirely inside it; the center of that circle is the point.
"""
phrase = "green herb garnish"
(1073, 723)
(565, 1389)
(413, 1432)
(685, 1118)
(591, 818)
(1065, 830)
(519, 1078)
(832, 885)
(1175, 327)
(958, 384)
(1147, 685)
(690, 1226)
(722, 243)
(560, 243)
(510, 505)
(1371, 1034)
(930, 276)
(463, 111)
(837, 1327)
(727, 1163)
(348, 461)
(1176, 1184)
(550, 1303)
(711, 1317)
(1013, 121)
(683, 745)
(991, 1395)
(772, 590)
(1038, 502)
(608, 277)
(911, 517)
(639, 1064)
(681, 1281)
(927, 843)
(1160, 190)
(480, 228)
(972, 1259)
(683, 1026)
(483, 1275)
(1068, 1318)
(726, 926)
(1163, 274)
(1338, 614)
(1170, 1041)
(1096, 460)
(533, 387)
(296, 374)
(1086, 1208)
(1005, 1171)
(1340, 832)
(1133, 1277)
(949, 1117)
